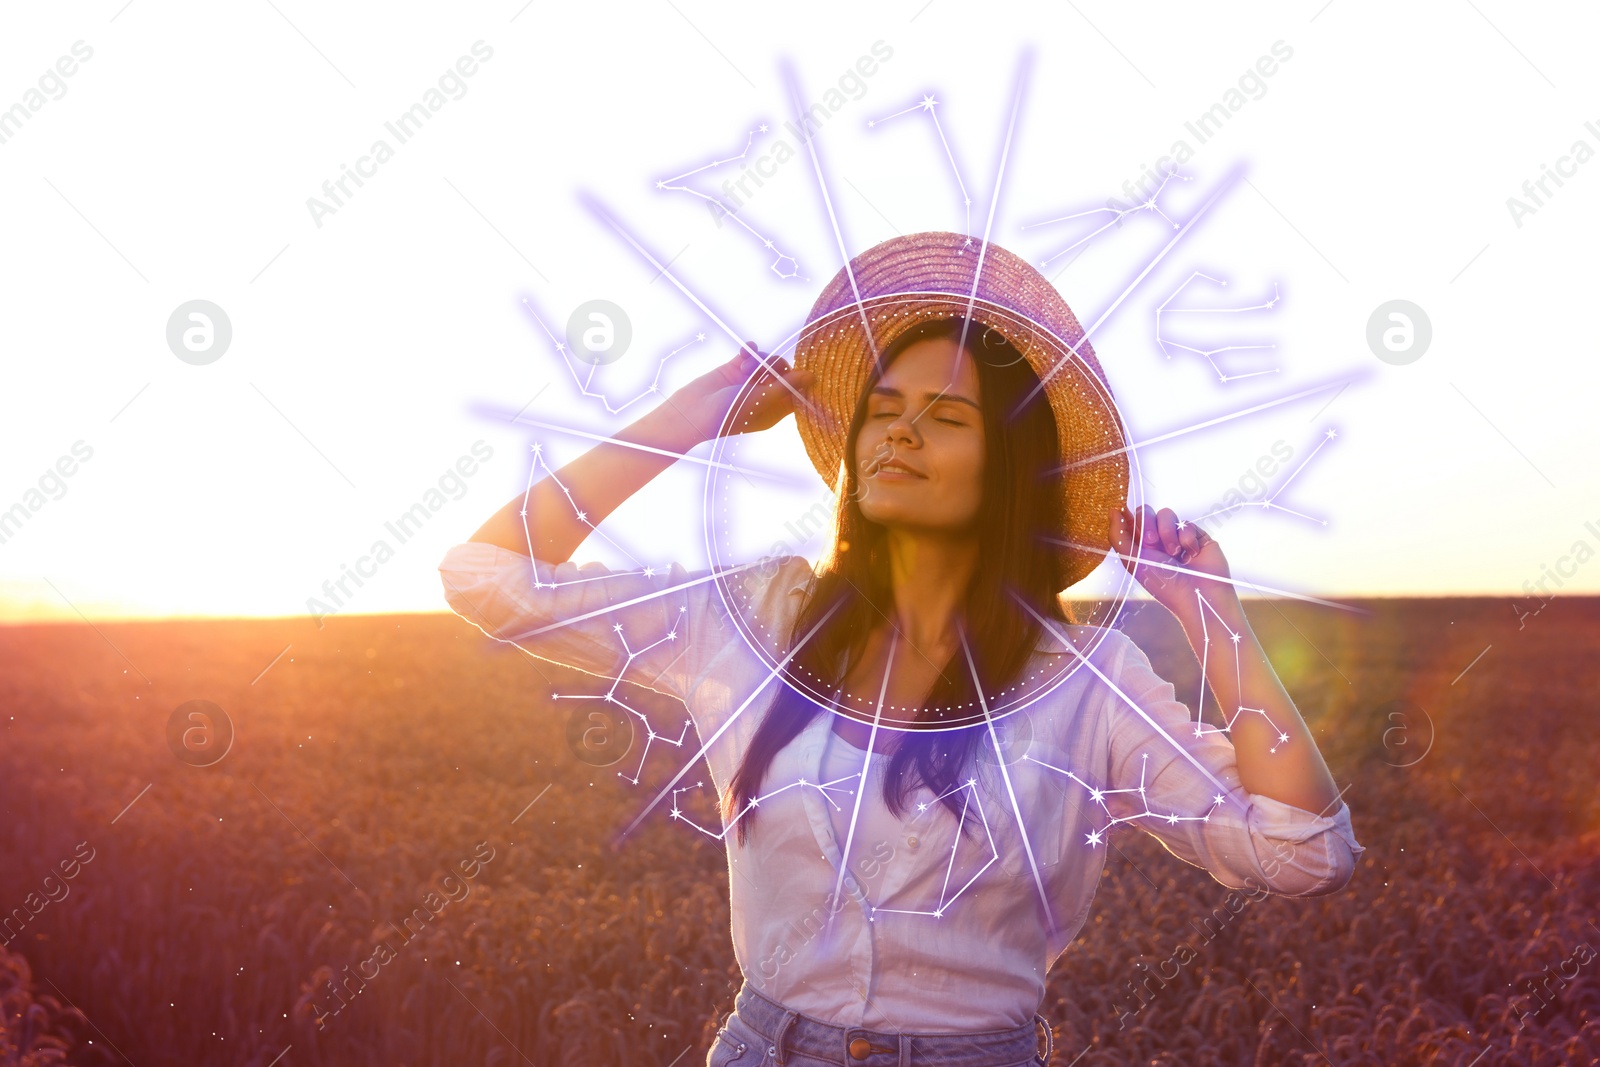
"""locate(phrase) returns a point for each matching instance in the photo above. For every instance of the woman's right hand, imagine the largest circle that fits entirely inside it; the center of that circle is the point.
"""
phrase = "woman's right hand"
(706, 399)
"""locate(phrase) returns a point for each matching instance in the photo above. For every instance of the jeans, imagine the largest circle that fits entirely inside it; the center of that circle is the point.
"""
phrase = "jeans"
(760, 1032)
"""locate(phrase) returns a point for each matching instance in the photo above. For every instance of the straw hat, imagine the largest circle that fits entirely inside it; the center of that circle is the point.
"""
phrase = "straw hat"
(909, 280)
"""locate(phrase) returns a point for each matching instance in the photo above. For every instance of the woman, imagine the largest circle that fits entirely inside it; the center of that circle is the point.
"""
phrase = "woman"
(916, 808)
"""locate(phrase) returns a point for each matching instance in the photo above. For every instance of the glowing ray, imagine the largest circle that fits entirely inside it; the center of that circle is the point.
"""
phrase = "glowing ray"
(572, 431)
(929, 106)
(792, 84)
(826, 789)
(1192, 427)
(866, 762)
(1024, 67)
(1176, 569)
(855, 288)
(1005, 776)
(1050, 625)
(648, 571)
(1328, 436)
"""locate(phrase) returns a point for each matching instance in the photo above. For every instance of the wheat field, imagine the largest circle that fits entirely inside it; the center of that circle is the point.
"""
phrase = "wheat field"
(400, 803)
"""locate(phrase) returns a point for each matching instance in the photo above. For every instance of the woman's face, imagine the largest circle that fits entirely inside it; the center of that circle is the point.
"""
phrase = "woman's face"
(919, 455)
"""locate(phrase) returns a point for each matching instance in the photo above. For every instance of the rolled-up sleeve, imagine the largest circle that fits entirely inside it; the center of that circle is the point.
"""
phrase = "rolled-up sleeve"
(654, 627)
(1245, 840)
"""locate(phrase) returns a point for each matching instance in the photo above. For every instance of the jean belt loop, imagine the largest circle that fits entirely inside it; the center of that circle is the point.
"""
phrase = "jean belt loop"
(1049, 1038)
(904, 1042)
(782, 1035)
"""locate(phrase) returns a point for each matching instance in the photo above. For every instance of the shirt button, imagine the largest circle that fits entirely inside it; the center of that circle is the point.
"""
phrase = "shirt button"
(913, 842)
(860, 1048)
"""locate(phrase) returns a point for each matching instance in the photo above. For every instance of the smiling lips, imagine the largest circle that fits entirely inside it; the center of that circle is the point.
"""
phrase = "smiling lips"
(899, 469)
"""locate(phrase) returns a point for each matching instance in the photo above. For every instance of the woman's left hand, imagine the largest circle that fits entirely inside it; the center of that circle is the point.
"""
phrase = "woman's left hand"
(1161, 542)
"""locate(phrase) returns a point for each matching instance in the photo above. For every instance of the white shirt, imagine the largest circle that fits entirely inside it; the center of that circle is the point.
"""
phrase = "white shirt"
(918, 941)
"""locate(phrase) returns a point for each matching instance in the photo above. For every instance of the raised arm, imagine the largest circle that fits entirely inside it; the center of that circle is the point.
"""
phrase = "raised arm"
(1278, 756)
(1278, 823)
(598, 481)
(658, 626)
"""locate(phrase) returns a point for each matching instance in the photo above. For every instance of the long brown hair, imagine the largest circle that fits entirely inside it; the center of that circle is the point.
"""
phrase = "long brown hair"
(1021, 506)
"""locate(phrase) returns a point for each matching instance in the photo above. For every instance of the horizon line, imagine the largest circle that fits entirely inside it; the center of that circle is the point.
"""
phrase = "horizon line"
(84, 620)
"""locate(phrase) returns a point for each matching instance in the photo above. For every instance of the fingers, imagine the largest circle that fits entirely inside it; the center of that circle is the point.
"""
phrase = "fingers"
(776, 389)
(745, 362)
(1167, 529)
(1189, 539)
(752, 363)
(769, 385)
(737, 368)
(1146, 527)
(1150, 529)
